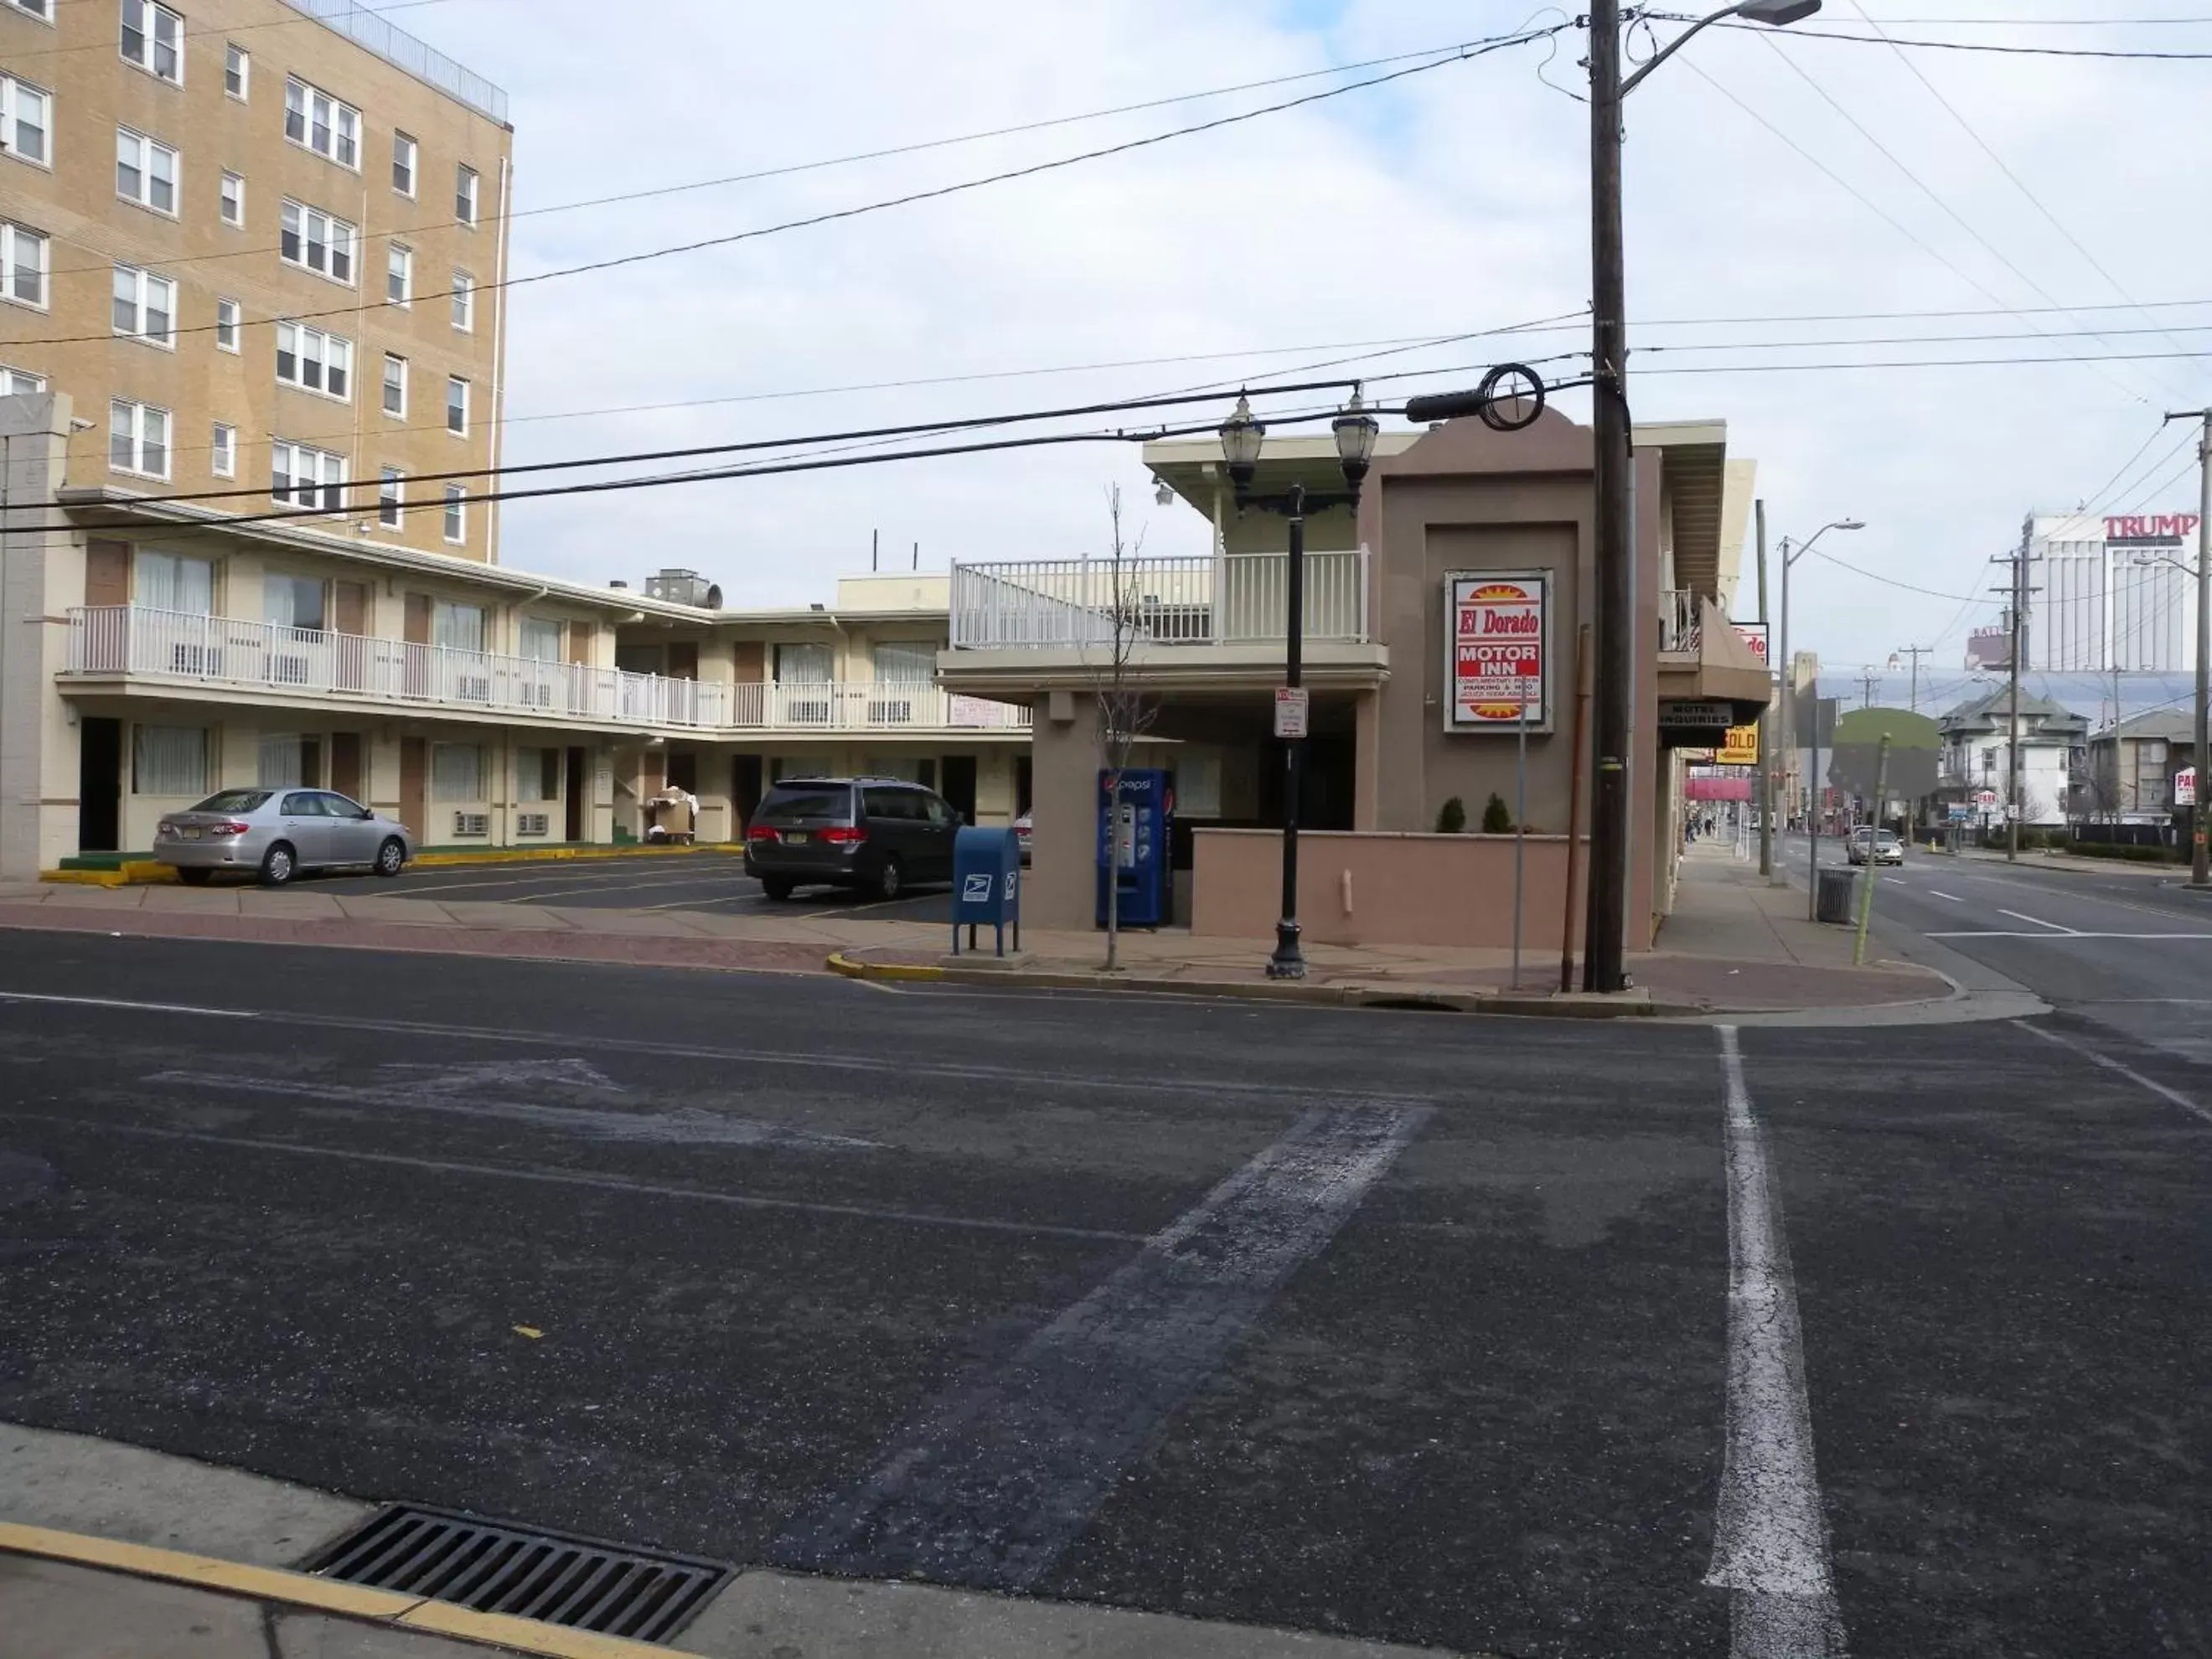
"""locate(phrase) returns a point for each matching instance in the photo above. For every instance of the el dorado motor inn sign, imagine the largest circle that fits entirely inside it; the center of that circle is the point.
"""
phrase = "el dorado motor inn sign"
(1500, 650)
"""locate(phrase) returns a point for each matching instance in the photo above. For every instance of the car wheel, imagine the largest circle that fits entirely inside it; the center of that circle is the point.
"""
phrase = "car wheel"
(279, 865)
(192, 877)
(891, 881)
(776, 887)
(392, 857)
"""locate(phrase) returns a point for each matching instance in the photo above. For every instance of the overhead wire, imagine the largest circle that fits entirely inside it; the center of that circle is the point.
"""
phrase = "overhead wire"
(2138, 55)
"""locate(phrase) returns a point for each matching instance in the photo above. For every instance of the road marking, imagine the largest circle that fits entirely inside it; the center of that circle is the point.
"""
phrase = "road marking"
(1953, 897)
(571, 1178)
(1769, 1537)
(2036, 921)
(2056, 938)
(2129, 1073)
(139, 1007)
(991, 1482)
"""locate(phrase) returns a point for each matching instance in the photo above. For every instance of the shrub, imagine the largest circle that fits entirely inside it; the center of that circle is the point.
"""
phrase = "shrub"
(1452, 820)
(1496, 820)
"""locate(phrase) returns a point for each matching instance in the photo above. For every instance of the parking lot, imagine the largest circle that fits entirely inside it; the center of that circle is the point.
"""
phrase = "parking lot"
(714, 882)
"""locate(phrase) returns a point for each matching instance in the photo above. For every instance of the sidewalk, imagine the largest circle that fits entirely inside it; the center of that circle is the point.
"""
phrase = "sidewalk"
(1734, 945)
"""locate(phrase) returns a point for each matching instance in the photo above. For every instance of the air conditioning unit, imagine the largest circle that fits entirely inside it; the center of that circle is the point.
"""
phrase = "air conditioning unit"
(530, 823)
(472, 823)
(287, 671)
(473, 688)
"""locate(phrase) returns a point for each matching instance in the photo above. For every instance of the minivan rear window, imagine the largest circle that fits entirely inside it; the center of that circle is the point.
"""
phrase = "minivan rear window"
(792, 805)
(234, 800)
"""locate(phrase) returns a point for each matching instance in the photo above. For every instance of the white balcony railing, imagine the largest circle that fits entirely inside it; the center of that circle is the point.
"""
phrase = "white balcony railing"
(142, 642)
(1682, 619)
(1233, 598)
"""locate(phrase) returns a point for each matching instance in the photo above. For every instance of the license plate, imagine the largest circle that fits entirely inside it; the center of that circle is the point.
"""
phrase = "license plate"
(796, 837)
(192, 832)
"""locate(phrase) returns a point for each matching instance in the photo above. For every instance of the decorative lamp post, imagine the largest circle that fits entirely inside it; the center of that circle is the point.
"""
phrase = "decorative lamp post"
(1241, 437)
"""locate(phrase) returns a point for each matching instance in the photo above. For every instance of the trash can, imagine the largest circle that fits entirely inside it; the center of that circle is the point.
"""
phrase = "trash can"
(1835, 900)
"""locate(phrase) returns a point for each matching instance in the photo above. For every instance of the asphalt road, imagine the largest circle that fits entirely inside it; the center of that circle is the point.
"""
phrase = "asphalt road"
(713, 882)
(1410, 1326)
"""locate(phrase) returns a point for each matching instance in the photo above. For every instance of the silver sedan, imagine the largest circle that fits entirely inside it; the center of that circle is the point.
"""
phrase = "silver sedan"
(276, 833)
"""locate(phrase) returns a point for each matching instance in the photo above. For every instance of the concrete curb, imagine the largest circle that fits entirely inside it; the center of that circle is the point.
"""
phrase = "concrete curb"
(139, 872)
(1636, 1005)
(298, 1589)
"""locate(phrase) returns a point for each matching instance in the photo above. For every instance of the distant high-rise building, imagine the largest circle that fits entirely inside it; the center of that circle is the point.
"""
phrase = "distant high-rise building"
(2108, 593)
(1990, 647)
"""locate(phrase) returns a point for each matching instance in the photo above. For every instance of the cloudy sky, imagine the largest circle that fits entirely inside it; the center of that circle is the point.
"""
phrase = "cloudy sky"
(2035, 201)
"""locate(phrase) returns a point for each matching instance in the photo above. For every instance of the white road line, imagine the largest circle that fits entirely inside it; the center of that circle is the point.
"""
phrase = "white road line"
(2056, 938)
(140, 1007)
(1769, 1535)
(1953, 897)
(2129, 1073)
(2037, 921)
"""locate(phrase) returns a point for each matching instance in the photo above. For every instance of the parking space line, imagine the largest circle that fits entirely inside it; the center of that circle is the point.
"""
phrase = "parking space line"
(2128, 1072)
(989, 1485)
(1769, 1535)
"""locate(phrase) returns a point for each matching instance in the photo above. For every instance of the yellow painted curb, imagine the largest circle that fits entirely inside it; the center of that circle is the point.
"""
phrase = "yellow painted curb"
(139, 872)
(561, 854)
(300, 1589)
(839, 962)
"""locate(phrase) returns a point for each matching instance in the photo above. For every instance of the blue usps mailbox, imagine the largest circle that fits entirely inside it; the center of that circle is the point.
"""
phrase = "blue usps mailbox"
(1133, 848)
(987, 885)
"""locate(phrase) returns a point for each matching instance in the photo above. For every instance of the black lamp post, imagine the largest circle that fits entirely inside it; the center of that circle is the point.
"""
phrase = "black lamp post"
(1241, 438)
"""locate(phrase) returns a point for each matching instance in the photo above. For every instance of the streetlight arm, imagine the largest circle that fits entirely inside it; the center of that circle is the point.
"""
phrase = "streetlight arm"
(1676, 45)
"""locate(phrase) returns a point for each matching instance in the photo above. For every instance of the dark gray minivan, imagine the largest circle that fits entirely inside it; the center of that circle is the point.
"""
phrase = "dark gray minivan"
(879, 835)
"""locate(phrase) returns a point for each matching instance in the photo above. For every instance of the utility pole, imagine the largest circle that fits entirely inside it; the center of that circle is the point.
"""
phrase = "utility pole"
(2019, 649)
(1765, 722)
(2200, 865)
(1914, 652)
(1866, 688)
(1613, 541)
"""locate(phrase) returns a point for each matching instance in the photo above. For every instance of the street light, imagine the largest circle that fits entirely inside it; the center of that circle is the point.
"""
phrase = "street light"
(1241, 437)
(1788, 709)
(1605, 925)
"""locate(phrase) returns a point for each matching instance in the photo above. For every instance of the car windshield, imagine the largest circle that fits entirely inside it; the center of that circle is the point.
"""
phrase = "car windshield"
(234, 800)
(807, 804)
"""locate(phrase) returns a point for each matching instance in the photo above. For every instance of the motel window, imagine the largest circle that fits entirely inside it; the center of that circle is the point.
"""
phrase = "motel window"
(169, 760)
(457, 772)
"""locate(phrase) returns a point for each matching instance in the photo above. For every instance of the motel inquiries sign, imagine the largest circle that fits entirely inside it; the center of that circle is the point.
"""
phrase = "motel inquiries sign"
(1497, 644)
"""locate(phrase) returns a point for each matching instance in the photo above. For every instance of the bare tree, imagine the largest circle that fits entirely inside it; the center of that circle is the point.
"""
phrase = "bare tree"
(1125, 711)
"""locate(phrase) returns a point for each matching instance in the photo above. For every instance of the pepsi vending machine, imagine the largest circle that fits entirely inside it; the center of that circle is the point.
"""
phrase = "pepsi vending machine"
(1133, 847)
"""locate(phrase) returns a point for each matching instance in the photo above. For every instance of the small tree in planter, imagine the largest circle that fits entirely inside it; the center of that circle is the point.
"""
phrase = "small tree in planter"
(1452, 820)
(1496, 820)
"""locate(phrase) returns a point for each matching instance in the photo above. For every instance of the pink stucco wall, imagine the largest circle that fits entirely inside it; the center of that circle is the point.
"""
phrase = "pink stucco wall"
(1381, 888)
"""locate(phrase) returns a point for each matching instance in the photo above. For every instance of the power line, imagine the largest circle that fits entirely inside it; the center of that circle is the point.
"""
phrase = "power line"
(1920, 362)
(1474, 50)
(1887, 582)
(2139, 55)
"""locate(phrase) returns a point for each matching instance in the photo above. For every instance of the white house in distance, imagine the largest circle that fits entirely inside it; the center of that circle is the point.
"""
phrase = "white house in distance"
(2053, 749)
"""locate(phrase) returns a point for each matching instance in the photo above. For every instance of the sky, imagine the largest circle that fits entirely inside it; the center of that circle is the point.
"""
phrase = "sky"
(1767, 177)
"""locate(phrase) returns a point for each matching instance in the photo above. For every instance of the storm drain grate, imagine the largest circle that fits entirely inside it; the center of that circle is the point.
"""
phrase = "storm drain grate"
(581, 1582)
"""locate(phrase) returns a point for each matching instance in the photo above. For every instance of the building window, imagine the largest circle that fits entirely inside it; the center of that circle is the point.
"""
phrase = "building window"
(308, 478)
(403, 164)
(237, 71)
(145, 307)
(39, 8)
(464, 195)
(22, 264)
(313, 361)
(223, 453)
(19, 382)
(323, 124)
(457, 404)
(137, 438)
(310, 238)
(536, 775)
(231, 200)
(25, 117)
(169, 760)
(145, 172)
(289, 762)
(457, 513)
(465, 302)
(457, 627)
(399, 275)
(227, 320)
(391, 497)
(457, 772)
(153, 39)
(395, 384)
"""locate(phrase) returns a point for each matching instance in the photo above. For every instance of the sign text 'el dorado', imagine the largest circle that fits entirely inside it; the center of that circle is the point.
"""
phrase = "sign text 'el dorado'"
(1498, 644)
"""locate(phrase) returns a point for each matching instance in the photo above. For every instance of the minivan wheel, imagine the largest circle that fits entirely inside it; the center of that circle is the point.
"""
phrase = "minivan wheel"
(392, 857)
(890, 882)
(278, 865)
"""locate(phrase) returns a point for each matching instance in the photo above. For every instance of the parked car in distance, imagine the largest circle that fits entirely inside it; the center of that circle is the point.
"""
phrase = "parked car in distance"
(879, 835)
(276, 833)
(1023, 825)
(1879, 846)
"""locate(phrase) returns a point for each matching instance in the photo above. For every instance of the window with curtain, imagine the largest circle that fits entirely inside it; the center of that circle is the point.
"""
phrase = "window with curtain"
(457, 772)
(906, 662)
(536, 775)
(541, 639)
(171, 581)
(288, 760)
(292, 602)
(457, 627)
(802, 665)
(169, 760)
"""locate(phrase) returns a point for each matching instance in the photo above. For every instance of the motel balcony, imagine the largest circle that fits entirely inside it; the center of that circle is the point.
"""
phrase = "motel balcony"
(138, 651)
(1703, 660)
